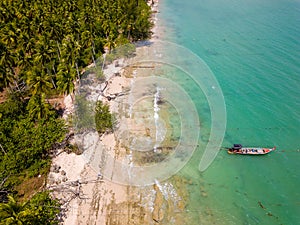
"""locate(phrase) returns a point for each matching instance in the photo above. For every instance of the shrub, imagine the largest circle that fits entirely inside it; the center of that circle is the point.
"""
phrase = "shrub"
(103, 118)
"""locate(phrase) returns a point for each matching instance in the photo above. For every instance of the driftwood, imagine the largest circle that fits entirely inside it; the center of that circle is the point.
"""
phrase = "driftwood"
(143, 67)
(114, 96)
(155, 220)
(72, 187)
(73, 190)
(111, 96)
(106, 84)
(166, 147)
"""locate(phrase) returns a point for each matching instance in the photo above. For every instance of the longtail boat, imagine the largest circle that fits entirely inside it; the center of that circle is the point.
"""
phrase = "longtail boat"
(239, 149)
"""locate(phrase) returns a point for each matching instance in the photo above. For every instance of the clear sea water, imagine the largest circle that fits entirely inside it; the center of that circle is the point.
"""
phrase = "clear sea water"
(253, 49)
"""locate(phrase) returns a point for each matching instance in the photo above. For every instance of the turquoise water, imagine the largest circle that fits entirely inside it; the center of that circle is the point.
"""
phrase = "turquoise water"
(253, 49)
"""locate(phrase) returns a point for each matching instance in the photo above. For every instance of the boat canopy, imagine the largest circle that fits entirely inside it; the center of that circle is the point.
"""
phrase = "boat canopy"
(237, 146)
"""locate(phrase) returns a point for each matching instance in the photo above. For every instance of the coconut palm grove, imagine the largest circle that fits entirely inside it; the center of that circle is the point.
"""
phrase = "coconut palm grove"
(44, 47)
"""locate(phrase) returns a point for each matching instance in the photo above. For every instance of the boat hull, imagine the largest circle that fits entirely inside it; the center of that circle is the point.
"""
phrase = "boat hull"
(250, 151)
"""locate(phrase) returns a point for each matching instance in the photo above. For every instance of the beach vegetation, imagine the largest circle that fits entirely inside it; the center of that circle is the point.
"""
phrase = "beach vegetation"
(40, 209)
(26, 144)
(84, 118)
(123, 51)
(103, 118)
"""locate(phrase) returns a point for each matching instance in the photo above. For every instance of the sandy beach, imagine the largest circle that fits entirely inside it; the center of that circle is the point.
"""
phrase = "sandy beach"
(89, 198)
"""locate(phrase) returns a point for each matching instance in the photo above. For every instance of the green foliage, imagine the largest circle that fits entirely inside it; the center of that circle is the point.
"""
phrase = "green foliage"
(84, 118)
(124, 51)
(38, 108)
(12, 212)
(25, 143)
(46, 44)
(97, 71)
(41, 209)
(100, 75)
(103, 118)
(13, 108)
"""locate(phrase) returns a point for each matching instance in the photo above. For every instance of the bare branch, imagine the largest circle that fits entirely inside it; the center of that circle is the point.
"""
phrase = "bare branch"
(3, 149)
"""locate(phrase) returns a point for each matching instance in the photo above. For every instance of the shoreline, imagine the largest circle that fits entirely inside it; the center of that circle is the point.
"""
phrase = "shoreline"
(88, 198)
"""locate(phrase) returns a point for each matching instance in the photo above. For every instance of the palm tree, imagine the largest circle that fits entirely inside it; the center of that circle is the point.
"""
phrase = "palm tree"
(43, 51)
(38, 38)
(9, 34)
(38, 81)
(13, 212)
(38, 108)
(66, 77)
(7, 64)
(110, 42)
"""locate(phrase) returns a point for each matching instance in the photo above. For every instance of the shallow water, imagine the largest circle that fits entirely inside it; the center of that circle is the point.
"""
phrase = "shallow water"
(253, 48)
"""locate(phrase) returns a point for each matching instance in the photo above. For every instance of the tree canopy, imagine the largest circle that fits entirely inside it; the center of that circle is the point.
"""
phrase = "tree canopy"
(25, 144)
(44, 44)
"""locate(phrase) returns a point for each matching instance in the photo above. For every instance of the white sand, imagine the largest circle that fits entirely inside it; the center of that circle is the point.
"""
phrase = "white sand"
(93, 200)
(69, 106)
(94, 195)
